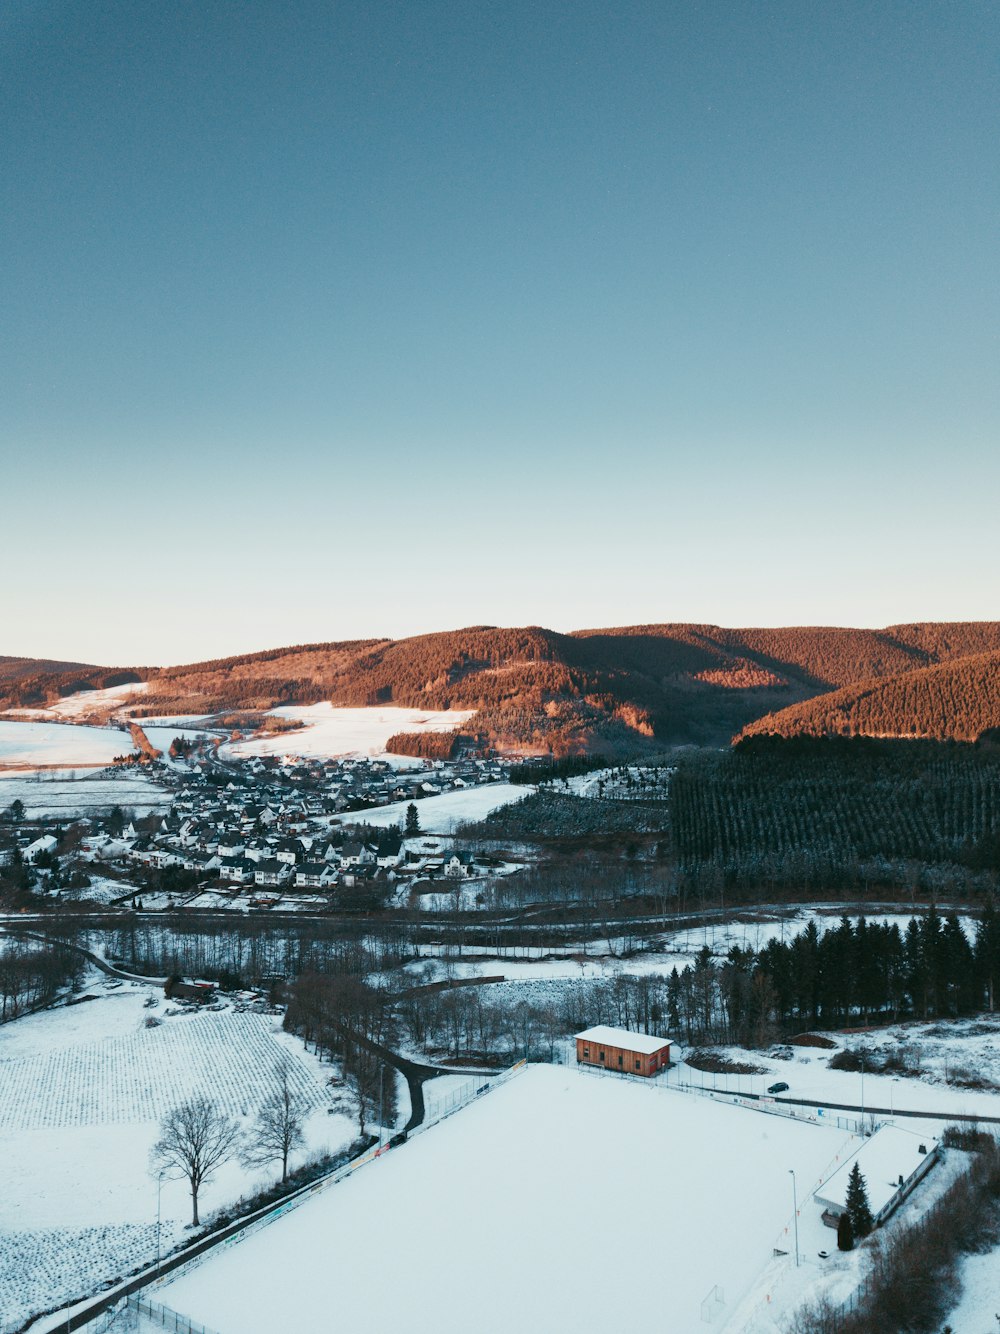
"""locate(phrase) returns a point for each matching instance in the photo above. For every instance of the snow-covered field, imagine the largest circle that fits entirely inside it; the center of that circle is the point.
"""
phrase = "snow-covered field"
(329, 733)
(85, 703)
(561, 1201)
(81, 1093)
(64, 795)
(49, 745)
(443, 814)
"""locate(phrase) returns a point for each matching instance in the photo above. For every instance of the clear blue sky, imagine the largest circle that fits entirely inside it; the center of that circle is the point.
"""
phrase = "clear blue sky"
(334, 319)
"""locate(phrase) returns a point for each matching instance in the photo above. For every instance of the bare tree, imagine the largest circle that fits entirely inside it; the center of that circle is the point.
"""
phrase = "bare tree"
(195, 1139)
(278, 1130)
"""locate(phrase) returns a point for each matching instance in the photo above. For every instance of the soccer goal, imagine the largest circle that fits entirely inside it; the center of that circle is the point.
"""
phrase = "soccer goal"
(713, 1305)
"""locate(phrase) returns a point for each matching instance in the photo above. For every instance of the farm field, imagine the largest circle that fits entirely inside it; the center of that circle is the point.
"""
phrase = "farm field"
(27, 746)
(82, 1089)
(65, 794)
(330, 732)
(444, 814)
(588, 1187)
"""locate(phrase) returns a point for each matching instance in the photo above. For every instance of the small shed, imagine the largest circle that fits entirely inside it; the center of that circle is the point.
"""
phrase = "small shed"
(624, 1052)
(178, 989)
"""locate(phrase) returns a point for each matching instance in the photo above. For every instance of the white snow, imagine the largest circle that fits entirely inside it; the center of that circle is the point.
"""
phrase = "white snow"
(978, 1311)
(85, 703)
(443, 814)
(45, 745)
(331, 733)
(560, 1201)
(82, 1090)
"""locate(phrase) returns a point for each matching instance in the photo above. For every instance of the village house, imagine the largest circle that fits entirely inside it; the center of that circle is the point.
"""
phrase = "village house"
(315, 875)
(459, 866)
(45, 843)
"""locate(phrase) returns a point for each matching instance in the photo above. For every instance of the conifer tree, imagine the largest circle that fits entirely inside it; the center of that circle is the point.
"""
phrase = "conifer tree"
(845, 1233)
(858, 1208)
(412, 820)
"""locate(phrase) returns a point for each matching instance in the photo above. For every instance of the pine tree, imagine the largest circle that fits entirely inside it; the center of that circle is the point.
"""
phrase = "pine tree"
(412, 820)
(858, 1207)
(845, 1233)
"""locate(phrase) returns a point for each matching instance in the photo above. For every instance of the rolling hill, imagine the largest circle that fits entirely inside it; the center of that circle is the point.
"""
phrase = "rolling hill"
(956, 701)
(615, 691)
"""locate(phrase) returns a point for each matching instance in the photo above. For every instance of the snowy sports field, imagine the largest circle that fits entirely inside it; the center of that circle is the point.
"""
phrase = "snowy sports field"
(330, 733)
(82, 1090)
(561, 1201)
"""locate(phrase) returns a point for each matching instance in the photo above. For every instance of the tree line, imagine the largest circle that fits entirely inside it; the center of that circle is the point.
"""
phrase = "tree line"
(32, 975)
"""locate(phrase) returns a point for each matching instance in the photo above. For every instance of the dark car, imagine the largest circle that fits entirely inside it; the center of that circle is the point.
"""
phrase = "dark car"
(778, 1088)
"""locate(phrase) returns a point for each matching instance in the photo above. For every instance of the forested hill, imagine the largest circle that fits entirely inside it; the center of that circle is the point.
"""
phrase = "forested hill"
(534, 689)
(957, 701)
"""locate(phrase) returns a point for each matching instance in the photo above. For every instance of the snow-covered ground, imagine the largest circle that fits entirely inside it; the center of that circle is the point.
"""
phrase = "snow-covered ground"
(560, 1201)
(84, 703)
(330, 733)
(47, 794)
(443, 814)
(807, 1073)
(49, 745)
(82, 1089)
(978, 1311)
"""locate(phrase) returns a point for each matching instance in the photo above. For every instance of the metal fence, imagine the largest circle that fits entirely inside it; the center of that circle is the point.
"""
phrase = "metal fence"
(165, 1318)
(664, 1083)
(469, 1091)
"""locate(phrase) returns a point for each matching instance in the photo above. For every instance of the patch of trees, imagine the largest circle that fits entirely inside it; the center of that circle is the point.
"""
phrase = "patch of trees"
(32, 975)
(851, 973)
(254, 952)
(347, 1020)
(545, 771)
(828, 814)
(552, 815)
(427, 745)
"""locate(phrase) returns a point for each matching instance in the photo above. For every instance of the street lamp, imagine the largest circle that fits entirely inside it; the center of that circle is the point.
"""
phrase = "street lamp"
(795, 1214)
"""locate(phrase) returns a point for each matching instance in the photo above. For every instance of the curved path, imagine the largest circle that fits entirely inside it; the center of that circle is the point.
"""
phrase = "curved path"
(93, 958)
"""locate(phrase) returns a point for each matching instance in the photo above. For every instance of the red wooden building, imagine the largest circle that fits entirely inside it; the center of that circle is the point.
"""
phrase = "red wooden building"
(624, 1052)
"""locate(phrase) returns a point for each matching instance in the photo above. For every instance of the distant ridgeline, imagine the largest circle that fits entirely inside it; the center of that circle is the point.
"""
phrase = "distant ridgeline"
(618, 692)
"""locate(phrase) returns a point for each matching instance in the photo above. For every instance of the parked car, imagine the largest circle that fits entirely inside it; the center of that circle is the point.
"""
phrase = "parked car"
(778, 1088)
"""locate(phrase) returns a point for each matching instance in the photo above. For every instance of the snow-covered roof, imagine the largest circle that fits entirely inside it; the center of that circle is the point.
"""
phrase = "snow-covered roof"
(889, 1154)
(603, 1035)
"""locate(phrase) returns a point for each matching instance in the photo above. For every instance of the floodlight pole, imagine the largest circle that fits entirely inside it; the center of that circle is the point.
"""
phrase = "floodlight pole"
(795, 1214)
(159, 1187)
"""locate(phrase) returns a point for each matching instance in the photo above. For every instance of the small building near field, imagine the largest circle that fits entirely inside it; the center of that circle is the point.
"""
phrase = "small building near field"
(178, 989)
(892, 1162)
(624, 1052)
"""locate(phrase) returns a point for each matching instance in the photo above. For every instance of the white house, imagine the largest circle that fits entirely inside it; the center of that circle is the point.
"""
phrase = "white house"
(46, 843)
(892, 1161)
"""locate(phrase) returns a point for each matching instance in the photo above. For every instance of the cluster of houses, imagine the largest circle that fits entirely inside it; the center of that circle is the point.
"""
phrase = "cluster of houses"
(273, 849)
(278, 826)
